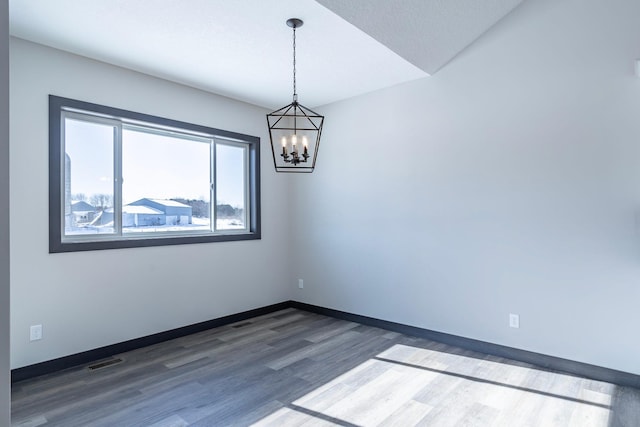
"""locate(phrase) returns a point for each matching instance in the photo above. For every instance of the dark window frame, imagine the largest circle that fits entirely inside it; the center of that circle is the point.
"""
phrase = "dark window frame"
(57, 105)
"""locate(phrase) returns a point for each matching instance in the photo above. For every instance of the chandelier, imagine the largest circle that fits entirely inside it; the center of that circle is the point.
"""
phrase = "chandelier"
(294, 130)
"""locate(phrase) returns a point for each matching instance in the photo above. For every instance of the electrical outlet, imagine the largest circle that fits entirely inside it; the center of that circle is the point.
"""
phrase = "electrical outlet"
(35, 333)
(514, 320)
(300, 283)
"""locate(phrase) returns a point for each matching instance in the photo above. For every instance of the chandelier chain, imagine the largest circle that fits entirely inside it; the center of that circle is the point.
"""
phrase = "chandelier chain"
(294, 63)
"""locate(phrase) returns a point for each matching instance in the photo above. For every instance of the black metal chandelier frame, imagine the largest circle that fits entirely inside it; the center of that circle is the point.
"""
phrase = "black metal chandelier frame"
(294, 118)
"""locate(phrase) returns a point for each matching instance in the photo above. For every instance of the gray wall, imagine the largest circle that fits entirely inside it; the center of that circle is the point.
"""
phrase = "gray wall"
(508, 182)
(5, 376)
(91, 299)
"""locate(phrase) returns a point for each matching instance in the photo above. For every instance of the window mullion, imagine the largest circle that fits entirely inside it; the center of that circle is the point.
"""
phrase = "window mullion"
(117, 180)
(213, 196)
(63, 177)
(247, 190)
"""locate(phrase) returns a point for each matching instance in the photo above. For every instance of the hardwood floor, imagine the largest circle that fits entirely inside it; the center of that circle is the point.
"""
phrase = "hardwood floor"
(294, 368)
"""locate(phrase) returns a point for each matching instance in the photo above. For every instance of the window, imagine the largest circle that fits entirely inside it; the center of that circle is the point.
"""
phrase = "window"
(120, 179)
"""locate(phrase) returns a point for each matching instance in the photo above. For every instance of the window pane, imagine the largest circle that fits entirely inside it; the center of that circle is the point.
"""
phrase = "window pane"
(166, 183)
(88, 178)
(230, 187)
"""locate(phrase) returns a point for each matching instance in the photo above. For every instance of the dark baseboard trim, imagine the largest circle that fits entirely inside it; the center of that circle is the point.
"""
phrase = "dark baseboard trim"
(91, 356)
(542, 360)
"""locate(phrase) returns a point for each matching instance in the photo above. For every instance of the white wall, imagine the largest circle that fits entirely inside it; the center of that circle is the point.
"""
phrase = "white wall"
(509, 182)
(91, 299)
(5, 375)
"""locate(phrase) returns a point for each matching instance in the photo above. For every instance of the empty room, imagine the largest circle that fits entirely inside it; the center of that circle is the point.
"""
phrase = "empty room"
(319, 212)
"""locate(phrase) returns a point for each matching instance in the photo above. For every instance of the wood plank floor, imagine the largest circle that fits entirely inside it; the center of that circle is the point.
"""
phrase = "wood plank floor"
(294, 368)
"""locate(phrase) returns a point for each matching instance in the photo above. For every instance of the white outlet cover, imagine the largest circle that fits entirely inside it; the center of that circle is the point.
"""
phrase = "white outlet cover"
(300, 283)
(35, 332)
(514, 320)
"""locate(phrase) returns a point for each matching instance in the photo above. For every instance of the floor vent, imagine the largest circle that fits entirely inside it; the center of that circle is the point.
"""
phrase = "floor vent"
(104, 364)
(240, 325)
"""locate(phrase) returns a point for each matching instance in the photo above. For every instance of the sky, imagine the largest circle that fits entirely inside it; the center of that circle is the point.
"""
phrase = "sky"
(153, 166)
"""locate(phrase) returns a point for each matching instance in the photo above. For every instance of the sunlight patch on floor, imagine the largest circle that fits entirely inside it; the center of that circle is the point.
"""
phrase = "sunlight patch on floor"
(406, 386)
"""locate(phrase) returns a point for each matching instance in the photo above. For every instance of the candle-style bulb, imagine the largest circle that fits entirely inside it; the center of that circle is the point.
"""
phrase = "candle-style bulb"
(284, 141)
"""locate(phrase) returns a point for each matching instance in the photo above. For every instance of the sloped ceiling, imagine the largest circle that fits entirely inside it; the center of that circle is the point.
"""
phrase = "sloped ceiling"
(243, 49)
(427, 33)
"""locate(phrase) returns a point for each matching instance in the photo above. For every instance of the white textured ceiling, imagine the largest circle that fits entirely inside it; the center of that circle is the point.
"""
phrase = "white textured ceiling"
(242, 48)
(428, 33)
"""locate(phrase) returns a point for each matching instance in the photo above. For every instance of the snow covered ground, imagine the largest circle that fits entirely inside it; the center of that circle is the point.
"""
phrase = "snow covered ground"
(199, 224)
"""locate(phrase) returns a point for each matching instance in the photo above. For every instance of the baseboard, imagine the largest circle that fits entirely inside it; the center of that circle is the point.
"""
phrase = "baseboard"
(544, 361)
(90, 356)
